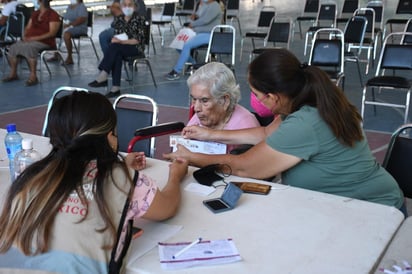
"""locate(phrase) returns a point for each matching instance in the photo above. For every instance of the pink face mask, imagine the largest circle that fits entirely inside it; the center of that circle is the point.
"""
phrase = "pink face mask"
(259, 107)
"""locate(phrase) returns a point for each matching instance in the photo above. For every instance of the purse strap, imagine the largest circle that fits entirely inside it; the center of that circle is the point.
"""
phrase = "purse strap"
(115, 264)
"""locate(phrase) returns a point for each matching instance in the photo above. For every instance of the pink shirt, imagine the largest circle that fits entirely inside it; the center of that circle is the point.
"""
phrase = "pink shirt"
(240, 119)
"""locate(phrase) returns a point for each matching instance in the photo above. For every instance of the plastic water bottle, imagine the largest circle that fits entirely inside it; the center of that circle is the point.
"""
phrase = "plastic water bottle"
(12, 142)
(25, 157)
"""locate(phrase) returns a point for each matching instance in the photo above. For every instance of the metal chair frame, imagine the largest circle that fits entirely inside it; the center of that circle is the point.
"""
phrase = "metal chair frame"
(90, 20)
(328, 53)
(131, 117)
(404, 7)
(188, 8)
(222, 42)
(393, 57)
(349, 6)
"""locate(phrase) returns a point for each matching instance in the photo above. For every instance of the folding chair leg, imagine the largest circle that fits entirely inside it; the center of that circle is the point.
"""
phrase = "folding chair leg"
(359, 73)
(408, 96)
(94, 48)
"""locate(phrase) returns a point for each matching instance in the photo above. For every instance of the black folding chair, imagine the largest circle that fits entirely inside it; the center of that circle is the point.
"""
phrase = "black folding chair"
(348, 8)
(309, 14)
(406, 39)
(187, 9)
(354, 35)
(233, 13)
(280, 32)
(328, 53)
(265, 18)
(134, 112)
(88, 36)
(134, 61)
(403, 8)
(14, 32)
(394, 57)
(326, 19)
(166, 18)
(397, 159)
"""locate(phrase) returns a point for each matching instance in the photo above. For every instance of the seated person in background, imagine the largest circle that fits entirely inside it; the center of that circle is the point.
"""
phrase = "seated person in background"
(40, 34)
(74, 24)
(215, 96)
(316, 142)
(207, 16)
(128, 24)
(71, 201)
(9, 7)
(105, 37)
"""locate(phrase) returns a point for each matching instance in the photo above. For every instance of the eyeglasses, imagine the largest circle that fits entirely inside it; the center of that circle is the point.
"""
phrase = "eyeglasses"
(204, 101)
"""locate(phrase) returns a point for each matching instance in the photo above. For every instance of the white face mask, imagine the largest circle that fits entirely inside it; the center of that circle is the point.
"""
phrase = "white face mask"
(127, 11)
(36, 4)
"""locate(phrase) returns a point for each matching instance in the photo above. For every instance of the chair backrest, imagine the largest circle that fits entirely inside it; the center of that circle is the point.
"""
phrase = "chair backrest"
(349, 6)
(407, 39)
(398, 160)
(265, 16)
(154, 131)
(189, 5)
(135, 112)
(232, 5)
(15, 26)
(327, 13)
(59, 92)
(169, 9)
(27, 11)
(222, 42)
(328, 52)
(311, 6)
(354, 32)
(369, 14)
(395, 56)
(378, 7)
(404, 7)
(280, 31)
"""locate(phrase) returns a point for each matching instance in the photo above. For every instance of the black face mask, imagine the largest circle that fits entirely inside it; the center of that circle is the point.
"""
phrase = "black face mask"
(207, 175)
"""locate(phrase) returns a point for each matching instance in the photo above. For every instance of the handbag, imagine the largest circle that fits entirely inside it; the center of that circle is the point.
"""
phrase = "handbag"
(184, 35)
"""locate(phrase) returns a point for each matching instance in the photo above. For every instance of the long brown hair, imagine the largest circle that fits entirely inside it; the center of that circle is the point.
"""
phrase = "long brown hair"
(279, 71)
(78, 126)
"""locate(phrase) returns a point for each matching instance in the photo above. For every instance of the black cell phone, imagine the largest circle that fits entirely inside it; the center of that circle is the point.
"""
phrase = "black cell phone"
(216, 205)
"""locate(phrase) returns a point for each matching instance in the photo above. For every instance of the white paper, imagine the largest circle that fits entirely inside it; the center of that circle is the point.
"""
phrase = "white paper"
(197, 146)
(200, 189)
(153, 233)
(201, 254)
(122, 36)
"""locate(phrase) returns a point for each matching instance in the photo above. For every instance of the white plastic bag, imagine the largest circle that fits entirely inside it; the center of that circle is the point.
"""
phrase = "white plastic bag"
(184, 35)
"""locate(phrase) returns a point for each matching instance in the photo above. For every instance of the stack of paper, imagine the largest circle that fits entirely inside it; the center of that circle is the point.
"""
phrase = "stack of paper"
(201, 254)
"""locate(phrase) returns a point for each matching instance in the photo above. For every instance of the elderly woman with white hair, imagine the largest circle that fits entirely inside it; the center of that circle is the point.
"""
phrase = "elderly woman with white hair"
(214, 96)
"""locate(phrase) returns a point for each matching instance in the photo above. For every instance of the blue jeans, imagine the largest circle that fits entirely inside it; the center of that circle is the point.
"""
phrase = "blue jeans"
(199, 40)
(113, 59)
(105, 38)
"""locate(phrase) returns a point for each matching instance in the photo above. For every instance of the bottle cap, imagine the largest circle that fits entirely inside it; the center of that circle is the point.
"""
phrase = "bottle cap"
(11, 127)
(27, 143)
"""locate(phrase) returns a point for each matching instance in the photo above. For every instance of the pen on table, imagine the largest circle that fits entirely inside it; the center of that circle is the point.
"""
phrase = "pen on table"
(186, 248)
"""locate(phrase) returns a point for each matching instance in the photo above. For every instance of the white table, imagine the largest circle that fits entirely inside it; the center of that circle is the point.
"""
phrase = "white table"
(399, 250)
(291, 230)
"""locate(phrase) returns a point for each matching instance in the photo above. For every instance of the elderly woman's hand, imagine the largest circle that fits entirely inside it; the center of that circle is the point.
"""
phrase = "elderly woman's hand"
(181, 152)
(136, 160)
(197, 132)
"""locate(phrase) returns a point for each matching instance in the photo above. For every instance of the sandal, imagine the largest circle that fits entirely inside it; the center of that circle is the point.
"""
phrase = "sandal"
(10, 79)
(68, 62)
(32, 82)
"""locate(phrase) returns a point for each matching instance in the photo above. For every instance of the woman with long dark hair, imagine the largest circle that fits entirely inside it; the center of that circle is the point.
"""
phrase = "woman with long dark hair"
(62, 213)
(316, 142)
